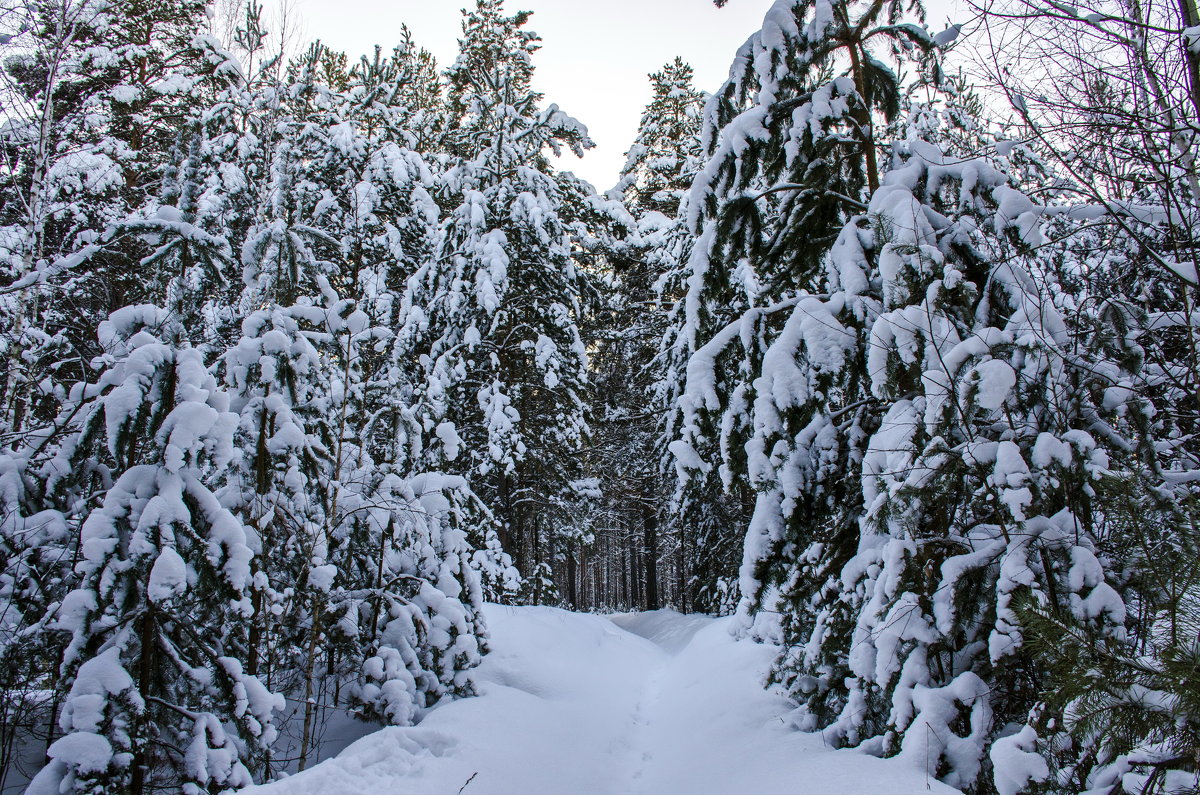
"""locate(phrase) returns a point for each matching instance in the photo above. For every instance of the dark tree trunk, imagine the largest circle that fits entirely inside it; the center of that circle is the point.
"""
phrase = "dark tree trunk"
(624, 578)
(572, 593)
(141, 751)
(686, 602)
(582, 569)
(535, 554)
(505, 530)
(635, 571)
(650, 526)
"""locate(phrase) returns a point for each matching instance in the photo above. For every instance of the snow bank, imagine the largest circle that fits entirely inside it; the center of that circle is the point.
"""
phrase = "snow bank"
(643, 703)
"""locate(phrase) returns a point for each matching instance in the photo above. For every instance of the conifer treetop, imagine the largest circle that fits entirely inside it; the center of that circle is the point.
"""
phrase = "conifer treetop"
(494, 113)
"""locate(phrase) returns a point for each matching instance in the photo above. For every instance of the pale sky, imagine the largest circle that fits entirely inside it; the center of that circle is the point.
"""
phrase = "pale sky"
(595, 56)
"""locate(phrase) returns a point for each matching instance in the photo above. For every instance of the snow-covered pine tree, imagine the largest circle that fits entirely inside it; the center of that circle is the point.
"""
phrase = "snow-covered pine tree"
(365, 583)
(493, 317)
(922, 435)
(367, 185)
(666, 151)
(371, 191)
(31, 573)
(1095, 729)
(48, 179)
(156, 692)
(76, 75)
(148, 68)
(399, 98)
(70, 153)
(120, 86)
(380, 202)
(38, 531)
(791, 155)
(368, 588)
(280, 488)
(987, 438)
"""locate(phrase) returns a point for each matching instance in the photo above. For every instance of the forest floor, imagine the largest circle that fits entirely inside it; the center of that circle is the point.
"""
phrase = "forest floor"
(657, 703)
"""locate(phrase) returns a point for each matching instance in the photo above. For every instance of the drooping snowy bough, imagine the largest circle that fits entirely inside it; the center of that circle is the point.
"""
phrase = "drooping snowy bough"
(879, 354)
(233, 536)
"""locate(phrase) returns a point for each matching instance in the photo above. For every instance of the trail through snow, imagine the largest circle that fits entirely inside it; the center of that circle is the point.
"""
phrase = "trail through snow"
(643, 703)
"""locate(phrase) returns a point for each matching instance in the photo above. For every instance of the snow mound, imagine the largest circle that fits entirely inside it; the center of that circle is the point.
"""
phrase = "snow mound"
(655, 703)
(671, 630)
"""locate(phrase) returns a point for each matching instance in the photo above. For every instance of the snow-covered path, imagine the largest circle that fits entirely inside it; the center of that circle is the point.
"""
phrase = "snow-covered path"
(647, 703)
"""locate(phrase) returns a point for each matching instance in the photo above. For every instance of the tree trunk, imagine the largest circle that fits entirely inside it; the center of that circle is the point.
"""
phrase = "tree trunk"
(310, 706)
(681, 573)
(505, 530)
(863, 117)
(572, 592)
(650, 528)
(635, 571)
(535, 554)
(141, 760)
(624, 578)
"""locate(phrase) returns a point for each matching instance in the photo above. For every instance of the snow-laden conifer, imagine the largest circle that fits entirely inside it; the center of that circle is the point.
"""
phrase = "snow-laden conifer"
(369, 574)
(791, 154)
(157, 694)
(666, 151)
(900, 392)
(493, 316)
(629, 529)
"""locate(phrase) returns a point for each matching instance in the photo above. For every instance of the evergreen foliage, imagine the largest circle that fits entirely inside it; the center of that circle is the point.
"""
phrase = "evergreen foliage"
(161, 558)
(306, 357)
(928, 425)
(236, 467)
(791, 156)
(493, 316)
(665, 155)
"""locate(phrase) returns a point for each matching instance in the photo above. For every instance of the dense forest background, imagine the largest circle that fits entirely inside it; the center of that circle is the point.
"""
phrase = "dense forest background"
(887, 346)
